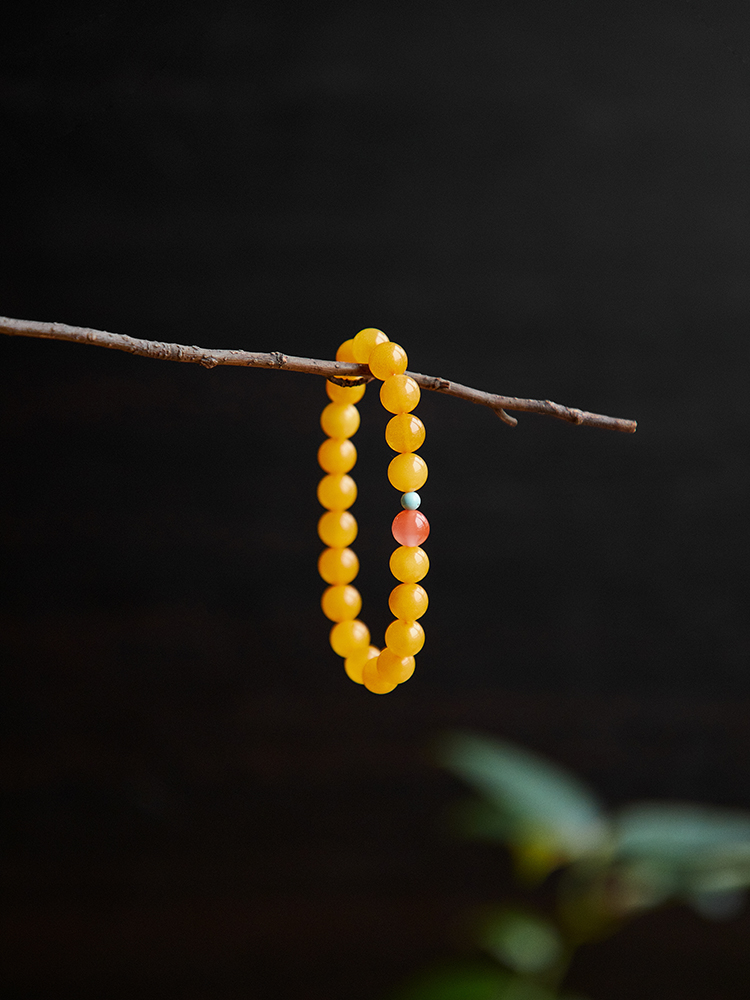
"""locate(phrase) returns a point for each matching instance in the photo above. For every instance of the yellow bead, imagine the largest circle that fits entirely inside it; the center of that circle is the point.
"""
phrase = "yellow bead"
(395, 668)
(399, 394)
(338, 393)
(338, 566)
(347, 638)
(340, 420)
(364, 342)
(341, 604)
(404, 638)
(337, 492)
(346, 352)
(408, 601)
(342, 394)
(337, 455)
(405, 432)
(337, 528)
(374, 681)
(407, 472)
(387, 359)
(354, 664)
(408, 563)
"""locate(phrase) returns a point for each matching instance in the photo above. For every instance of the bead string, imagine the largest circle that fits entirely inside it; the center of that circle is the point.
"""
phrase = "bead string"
(379, 671)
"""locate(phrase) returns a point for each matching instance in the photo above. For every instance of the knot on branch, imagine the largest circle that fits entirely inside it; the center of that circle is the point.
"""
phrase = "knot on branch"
(173, 352)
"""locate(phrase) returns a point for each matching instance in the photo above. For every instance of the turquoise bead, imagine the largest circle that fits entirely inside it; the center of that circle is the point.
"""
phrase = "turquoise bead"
(410, 501)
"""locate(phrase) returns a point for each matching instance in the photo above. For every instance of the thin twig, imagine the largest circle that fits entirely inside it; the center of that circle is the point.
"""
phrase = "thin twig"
(333, 370)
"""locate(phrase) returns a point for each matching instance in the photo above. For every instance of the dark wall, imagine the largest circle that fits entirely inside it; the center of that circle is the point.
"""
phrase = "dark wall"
(535, 199)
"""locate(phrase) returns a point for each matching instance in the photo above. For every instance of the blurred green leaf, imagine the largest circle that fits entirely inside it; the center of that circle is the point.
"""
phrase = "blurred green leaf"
(522, 941)
(457, 982)
(537, 802)
(679, 828)
(681, 850)
(476, 982)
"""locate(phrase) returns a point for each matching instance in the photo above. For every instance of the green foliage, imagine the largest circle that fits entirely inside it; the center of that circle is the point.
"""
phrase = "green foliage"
(522, 941)
(612, 867)
(685, 849)
(457, 982)
(526, 799)
(476, 982)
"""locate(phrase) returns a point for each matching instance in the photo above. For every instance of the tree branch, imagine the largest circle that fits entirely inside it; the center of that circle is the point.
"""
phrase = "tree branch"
(333, 370)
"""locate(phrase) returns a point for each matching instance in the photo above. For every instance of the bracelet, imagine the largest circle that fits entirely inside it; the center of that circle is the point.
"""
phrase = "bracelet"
(380, 672)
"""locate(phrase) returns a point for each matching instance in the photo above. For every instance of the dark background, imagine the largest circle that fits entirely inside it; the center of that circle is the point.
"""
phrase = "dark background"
(546, 200)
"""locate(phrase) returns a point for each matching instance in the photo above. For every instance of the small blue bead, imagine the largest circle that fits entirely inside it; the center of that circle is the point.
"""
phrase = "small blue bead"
(410, 501)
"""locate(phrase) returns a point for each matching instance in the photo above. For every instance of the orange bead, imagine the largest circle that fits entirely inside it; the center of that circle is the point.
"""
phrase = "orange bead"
(405, 432)
(349, 637)
(337, 492)
(410, 527)
(337, 528)
(399, 394)
(338, 566)
(341, 603)
(374, 681)
(387, 359)
(337, 455)
(354, 664)
(364, 342)
(404, 638)
(395, 668)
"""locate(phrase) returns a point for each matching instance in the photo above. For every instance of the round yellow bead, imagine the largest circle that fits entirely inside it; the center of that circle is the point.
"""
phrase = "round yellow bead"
(337, 492)
(338, 393)
(340, 420)
(337, 528)
(348, 638)
(338, 566)
(399, 394)
(374, 681)
(405, 432)
(395, 668)
(407, 472)
(341, 604)
(337, 455)
(404, 638)
(346, 352)
(364, 342)
(409, 563)
(408, 601)
(387, 359)
(343, 394)
(354, 664)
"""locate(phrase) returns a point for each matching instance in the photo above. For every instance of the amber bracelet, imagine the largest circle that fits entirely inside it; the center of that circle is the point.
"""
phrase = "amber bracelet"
(379, 671)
